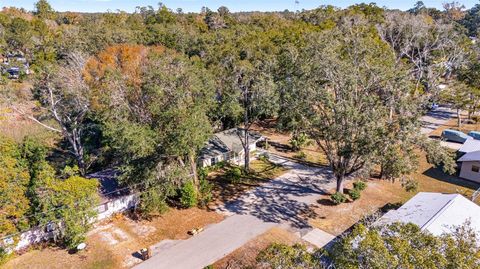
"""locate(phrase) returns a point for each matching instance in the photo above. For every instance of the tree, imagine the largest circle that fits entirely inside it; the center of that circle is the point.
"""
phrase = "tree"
(14, 180)
(63, 93)
(459, 95)
(406, 246)
(44, 10)
(154, 103)
(345, 97)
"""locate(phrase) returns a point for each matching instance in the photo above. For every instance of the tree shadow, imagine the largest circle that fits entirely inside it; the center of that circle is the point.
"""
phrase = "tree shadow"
(441, 176)
(285, 200)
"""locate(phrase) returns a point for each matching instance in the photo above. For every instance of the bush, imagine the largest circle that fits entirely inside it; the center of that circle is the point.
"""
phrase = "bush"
(234, 174)
(359, 185)
(301, 155)
(410, 185)
(338, 198)
(354, 194)
(3, 256)
(264, 157)
(188, 195)
(298, 141)
(285, 256)
(205, 192)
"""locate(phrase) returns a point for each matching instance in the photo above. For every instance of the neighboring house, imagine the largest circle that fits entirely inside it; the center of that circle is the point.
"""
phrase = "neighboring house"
(437, 213)
(227, 146)
(469, 160)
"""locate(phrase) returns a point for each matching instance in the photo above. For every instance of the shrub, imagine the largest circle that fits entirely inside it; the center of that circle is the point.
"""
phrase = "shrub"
(188, 195)
(234, 174)
(410, 185)
(354, 194)
(301, 155)
(338, 198)
(298, 141)
(359, 185)
(3, 256)
(205, 190)
(264, 157)
(285, 256)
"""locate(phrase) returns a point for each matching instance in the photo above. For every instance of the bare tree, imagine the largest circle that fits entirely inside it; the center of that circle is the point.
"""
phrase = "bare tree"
(62, 91)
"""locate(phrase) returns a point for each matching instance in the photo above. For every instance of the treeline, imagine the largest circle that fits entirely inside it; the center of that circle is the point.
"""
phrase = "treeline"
(144, 91)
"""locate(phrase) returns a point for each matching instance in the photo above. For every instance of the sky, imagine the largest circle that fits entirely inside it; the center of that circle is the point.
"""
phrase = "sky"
(233, 5)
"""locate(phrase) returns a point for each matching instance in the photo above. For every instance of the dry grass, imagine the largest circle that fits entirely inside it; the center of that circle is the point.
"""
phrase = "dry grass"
(113, 243)
(245, 256)
(279, 144)
(382, 194)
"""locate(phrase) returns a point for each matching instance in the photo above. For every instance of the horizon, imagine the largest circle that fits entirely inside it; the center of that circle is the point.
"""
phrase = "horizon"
(93, 6)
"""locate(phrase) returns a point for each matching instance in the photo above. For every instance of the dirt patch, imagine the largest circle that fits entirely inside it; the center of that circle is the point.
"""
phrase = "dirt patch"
(112, 244)
(245, 256)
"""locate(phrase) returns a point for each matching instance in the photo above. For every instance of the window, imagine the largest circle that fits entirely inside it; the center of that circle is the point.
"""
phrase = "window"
(213, 161)
(475, 169)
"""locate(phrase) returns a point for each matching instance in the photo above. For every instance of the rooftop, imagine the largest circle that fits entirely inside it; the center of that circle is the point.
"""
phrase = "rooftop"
(227, 141)
(470, 145)
(436, 212)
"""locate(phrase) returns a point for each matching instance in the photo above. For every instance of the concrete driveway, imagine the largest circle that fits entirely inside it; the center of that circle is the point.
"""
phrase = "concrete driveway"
(435, 119)
(284, 201)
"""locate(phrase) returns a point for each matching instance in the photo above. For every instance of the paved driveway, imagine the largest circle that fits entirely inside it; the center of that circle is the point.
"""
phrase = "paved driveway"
(434, 119)
(283, 201)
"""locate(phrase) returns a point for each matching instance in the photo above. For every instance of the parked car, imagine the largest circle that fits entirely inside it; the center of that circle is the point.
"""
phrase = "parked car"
(474, 134)
(455, 136)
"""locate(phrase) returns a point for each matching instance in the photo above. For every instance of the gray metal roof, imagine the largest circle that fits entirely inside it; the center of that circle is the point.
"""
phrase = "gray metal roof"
(470, 157)
(435, 212)
(470, 145)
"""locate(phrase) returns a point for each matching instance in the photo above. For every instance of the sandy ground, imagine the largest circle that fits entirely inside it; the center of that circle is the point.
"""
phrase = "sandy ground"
(114, 244)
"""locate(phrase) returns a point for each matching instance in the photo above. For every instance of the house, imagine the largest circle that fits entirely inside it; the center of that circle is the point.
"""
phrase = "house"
(437, 213)
(227, 146)
(469, 159)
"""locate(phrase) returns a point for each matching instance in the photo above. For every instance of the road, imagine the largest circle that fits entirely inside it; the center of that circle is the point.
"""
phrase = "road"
(283, 201)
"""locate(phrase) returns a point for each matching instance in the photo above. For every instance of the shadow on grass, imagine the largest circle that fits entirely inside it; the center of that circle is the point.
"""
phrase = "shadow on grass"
(441, 176)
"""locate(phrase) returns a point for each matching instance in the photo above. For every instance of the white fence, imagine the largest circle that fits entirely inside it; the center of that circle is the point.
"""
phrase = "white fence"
(40, 234)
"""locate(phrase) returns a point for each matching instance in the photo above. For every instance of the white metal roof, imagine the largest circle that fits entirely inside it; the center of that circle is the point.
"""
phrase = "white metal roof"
(470, 145)
(470, 157)
(436, 212)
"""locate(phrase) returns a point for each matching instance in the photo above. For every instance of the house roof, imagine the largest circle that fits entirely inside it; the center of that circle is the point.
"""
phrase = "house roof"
(227, 141)
(109, 185)
(470, 145)
(436, 212)
(470, 157)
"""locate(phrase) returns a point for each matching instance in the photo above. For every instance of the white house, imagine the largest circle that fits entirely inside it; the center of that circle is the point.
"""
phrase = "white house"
(470, 160)
(437, 213)
(227, 146)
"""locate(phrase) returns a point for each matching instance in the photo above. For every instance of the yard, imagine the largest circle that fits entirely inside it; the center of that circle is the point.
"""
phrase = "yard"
(113, 244)
(224, 189)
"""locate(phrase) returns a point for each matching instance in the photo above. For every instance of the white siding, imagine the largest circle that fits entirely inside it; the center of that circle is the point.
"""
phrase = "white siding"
(467, 173)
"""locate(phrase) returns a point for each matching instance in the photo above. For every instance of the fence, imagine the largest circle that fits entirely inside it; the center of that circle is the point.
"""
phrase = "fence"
(40, 234)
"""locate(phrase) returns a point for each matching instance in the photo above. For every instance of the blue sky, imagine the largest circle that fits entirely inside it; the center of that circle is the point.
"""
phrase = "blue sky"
(234, 5)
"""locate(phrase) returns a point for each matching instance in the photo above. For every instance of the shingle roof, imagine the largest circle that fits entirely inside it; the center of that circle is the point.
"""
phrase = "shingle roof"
(226, 141)
(436, 212)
